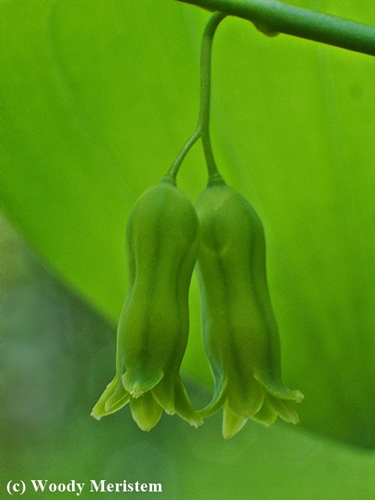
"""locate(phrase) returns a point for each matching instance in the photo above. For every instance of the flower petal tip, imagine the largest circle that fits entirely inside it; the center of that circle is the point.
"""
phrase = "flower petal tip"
(298, 396)
(144, 427)
(196, 423)
(232, 424)
(146, 412)
(137, 384)
(95, 415)
(170, 411)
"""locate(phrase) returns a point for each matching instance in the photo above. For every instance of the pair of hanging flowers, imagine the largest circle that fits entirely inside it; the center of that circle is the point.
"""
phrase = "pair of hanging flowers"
(223, 238)
(167, 236)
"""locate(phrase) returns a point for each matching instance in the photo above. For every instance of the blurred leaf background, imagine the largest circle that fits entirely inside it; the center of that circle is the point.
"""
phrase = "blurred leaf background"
(97, 98)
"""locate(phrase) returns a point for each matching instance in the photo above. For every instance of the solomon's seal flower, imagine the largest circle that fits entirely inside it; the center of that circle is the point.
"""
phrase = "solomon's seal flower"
(162, 244)
(239, 327)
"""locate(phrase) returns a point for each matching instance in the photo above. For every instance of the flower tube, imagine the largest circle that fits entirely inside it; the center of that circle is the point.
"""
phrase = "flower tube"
(162, 244)
(239, 328)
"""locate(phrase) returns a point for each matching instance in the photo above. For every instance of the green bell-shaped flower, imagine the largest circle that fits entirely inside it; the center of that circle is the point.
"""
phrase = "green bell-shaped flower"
(239, 327)
(162, 244)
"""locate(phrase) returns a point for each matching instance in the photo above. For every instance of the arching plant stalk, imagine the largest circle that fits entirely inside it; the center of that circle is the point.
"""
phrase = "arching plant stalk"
(202, 130)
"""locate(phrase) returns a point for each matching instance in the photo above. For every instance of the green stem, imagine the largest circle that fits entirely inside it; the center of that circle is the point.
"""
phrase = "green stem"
(174, 168)
(204, 114)
(279, 17)
(202, 130)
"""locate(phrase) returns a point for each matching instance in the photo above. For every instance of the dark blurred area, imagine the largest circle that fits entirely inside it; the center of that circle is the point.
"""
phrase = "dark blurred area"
(50, 344)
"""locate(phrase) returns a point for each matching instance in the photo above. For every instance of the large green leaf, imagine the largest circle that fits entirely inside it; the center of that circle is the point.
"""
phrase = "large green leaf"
(98, 97)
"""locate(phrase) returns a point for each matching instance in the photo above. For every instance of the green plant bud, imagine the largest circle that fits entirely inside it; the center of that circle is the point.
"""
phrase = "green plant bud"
(239, 327)
(162, 244)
